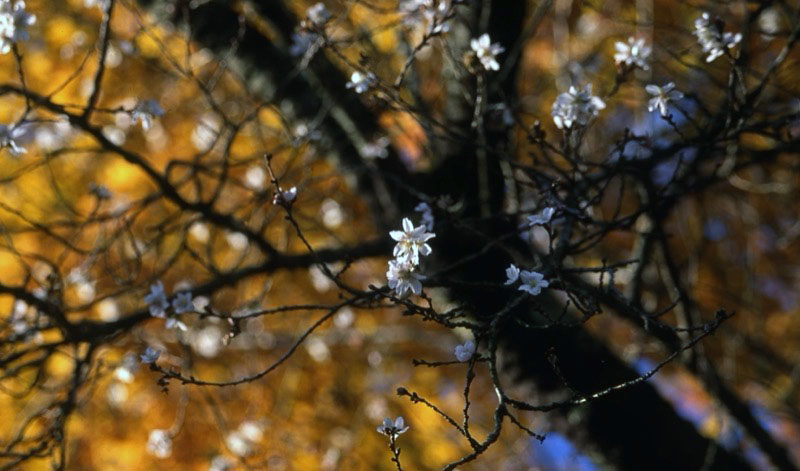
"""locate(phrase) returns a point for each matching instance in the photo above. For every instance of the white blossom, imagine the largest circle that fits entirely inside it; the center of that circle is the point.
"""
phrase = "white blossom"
(8, 137)
(634, 53)
(157, 300)
(392, 429)
(576, 107)
(318, 14)
(532, 282)
(464, 352)
(302, 132)
(159, 443)
(486, 51)
(512, 274)
(428, 14)
(662, 96)
(411, 242)
(361, 82)
(403, 279)
(285, 196)
(174, 322)
(542, 218)
(711, 38)
(183, 303)
(145, 111)
(150, 355)
(14, 21)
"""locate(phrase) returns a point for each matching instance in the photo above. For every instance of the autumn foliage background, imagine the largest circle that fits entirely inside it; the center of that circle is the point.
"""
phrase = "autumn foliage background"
(736, 244)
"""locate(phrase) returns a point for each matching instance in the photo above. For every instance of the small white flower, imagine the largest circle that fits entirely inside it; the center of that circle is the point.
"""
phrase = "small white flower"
(411, 242)
(436, 17)
(427, 219)
(8, 136)
(157, 300)
(285, 196)
(427, 14)
(159, 443)
(532, 282)
(402, 278)
(711, 38)
(145, 111)
(512, 273)
(576, 107)
(302, 133)
(377, 149)
(486, 51)
(317, 14)
(14, 21)
(173, 323)
(392, 429)
(632, 54)
(289, 195)
(541, 218)
(150, 355)
(464, 352)
(662, 96)
(361, 82)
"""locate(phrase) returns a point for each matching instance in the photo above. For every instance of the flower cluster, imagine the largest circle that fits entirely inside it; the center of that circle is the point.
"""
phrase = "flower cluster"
(377, 149)
(486, 52)
(411, 243)
(14, 21)
(531, 282)
(318, 14)
(464, 352)
(158, 304)
(145, 111)
(632, 54)
(711, 37)
(433, 16)
(576, 107)
(361, 82)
